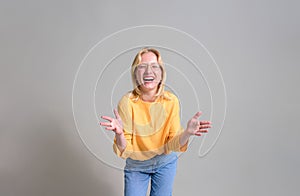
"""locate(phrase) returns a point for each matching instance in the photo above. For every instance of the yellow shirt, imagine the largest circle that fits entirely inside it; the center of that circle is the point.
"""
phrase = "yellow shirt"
(150, 128)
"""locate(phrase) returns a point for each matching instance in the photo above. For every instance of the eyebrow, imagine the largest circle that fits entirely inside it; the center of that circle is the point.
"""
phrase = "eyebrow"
(154, 62)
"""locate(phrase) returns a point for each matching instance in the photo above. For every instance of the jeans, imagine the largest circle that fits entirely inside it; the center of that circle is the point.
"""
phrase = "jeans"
(161, 169)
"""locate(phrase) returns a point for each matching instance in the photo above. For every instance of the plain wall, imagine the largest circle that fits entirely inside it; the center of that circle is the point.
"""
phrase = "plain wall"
(254, 43)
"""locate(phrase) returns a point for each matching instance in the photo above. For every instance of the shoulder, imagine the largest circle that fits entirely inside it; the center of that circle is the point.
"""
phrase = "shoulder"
(126, 99)
(171, 99)
(170, 96)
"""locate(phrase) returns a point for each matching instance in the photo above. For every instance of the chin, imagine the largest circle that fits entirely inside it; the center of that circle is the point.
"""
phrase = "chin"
(149, 87)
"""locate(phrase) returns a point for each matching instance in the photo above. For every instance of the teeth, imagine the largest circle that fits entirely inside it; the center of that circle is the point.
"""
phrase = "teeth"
(148, 79)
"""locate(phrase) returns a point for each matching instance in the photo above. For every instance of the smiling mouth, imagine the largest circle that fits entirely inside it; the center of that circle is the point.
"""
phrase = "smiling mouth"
(148, 79)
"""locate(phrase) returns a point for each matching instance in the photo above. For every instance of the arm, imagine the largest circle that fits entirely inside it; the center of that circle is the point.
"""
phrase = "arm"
(177, 137)
(184, 138)
(122, 126)
(116, 125)
(121, 142)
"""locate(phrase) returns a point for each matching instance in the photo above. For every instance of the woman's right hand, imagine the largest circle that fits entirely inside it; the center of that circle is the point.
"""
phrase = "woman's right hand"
(114, 124)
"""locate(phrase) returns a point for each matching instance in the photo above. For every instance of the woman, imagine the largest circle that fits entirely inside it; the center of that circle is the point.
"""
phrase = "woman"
(147, 128)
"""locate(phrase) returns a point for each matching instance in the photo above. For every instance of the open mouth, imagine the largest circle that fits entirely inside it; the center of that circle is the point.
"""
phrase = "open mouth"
(148, 79)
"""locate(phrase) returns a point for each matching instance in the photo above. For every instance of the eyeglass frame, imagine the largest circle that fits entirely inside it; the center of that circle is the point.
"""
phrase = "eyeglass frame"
(146, 65)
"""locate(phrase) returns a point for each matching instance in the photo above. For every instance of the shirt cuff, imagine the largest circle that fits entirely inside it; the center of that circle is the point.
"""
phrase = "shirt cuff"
(124, 154)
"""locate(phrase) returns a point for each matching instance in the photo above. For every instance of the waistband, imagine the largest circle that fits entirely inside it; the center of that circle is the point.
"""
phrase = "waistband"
(150, 164)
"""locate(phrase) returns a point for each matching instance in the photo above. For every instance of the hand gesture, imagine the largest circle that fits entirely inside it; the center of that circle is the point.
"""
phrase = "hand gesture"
(196, 127)
(114, 124)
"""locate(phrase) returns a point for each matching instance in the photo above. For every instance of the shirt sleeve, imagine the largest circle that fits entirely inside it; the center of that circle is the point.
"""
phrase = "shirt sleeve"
(176, 130)
(125, 113)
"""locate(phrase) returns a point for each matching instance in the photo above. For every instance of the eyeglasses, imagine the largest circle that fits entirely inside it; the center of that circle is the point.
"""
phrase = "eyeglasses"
(153, 66)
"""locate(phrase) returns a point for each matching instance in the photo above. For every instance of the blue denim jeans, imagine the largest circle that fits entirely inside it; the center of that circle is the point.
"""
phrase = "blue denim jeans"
(161, 169)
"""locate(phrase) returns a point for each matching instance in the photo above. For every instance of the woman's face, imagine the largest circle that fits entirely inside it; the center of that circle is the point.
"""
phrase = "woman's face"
(148, 73)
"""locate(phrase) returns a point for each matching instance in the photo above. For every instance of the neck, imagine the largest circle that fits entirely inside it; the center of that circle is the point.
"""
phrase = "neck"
(149, 96)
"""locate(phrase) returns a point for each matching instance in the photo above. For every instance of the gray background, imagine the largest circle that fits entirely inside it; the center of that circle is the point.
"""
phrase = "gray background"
(255, 43)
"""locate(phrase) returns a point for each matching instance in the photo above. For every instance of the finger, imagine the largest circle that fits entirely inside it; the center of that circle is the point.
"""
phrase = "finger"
(198, 134)
(107, 118)
(197, 115)
(110, 128)
(204, 122)
(202, 131)
(205, 126)
(117, 114)
(105, 123)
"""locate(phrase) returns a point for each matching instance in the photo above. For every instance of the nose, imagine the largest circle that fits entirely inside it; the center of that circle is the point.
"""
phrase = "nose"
(148, 69)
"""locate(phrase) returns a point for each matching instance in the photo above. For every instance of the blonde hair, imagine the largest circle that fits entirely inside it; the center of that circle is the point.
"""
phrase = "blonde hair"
(136, 92)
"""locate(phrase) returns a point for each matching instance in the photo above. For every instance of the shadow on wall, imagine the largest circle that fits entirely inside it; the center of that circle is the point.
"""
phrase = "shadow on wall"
(43, 159)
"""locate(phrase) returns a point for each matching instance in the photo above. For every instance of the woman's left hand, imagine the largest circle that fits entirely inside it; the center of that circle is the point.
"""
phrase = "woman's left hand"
(196, 127)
